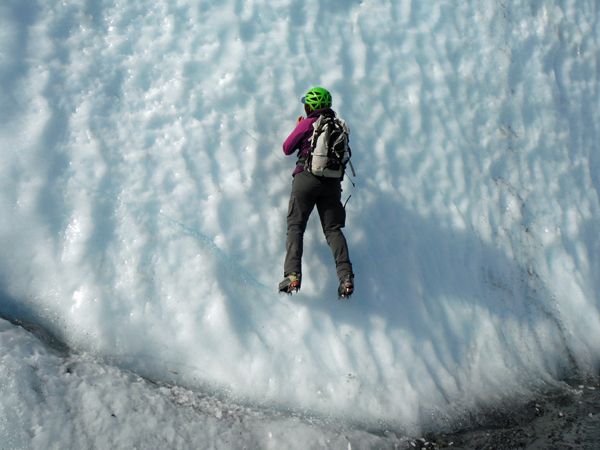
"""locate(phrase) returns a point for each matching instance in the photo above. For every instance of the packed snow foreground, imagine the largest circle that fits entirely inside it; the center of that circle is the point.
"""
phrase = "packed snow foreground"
(144, 192)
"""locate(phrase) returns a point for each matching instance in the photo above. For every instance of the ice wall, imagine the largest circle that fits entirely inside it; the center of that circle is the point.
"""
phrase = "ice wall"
(144, 194)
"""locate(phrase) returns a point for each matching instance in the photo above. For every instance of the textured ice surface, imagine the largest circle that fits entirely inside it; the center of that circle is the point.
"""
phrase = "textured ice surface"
(143, 193)
(56, 399)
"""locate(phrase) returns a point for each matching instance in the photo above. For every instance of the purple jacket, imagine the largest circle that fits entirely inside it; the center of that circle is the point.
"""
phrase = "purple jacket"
(301, 136)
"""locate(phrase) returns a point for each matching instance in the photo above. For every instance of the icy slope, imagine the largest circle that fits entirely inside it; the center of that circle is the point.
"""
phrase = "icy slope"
(144, 194)
(59, 400)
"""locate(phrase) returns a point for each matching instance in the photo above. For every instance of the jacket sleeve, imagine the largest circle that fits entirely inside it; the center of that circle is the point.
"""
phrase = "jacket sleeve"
(294, 140)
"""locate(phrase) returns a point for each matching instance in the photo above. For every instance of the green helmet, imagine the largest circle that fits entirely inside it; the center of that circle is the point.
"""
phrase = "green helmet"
(317, 98)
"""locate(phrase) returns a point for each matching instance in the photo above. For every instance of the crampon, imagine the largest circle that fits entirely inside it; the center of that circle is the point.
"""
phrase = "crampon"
(346, 287)
(291, 283)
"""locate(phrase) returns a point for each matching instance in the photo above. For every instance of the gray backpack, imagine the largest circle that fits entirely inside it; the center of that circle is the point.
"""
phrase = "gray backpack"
(329, 151)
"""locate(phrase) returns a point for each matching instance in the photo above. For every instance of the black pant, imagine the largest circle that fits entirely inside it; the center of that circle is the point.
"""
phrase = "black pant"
(308, 191)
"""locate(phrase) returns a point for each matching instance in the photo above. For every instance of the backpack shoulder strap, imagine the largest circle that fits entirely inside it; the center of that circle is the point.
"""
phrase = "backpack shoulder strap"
(343, 124)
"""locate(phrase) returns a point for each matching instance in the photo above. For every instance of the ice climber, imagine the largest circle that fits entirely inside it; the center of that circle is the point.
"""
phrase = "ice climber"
(309, 190)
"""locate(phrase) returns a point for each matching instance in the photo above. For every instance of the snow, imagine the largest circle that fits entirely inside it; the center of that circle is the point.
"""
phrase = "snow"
(144, 194)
